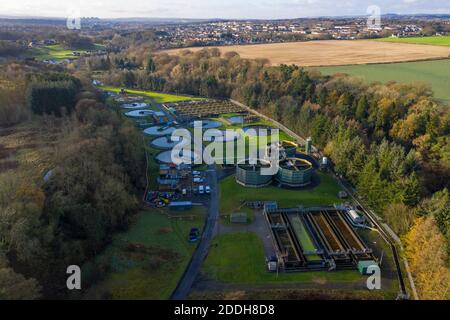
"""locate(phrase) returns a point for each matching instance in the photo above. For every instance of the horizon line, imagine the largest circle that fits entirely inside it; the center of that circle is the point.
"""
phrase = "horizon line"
(17, 17)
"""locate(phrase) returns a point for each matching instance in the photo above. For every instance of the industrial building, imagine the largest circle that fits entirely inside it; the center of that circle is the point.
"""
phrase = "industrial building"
(180, 205)
(250, 175)
(174, 178)
(294, 173)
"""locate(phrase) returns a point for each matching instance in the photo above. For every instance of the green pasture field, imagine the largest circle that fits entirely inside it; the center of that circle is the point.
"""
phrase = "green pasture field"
(435, 73)
(434, 40)
(58, 53)
(155, 96)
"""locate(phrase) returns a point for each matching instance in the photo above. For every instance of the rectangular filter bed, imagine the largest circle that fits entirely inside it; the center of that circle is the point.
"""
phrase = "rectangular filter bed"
(316, 238)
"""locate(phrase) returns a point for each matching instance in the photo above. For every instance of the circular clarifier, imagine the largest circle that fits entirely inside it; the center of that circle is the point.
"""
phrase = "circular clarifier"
(139, 113)
(164, 143)
(208, 124)
(186, 156)
(236, 119)
(135, 105)
(159, 131)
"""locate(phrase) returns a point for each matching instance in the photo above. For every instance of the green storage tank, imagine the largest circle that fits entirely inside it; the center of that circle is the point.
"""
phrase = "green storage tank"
(295, 173)
(249, 175)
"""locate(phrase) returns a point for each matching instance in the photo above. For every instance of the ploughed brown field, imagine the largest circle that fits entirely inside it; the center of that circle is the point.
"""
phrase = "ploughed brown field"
(334, 52)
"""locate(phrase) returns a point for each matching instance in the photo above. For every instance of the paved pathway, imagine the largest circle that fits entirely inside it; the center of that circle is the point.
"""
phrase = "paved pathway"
(189, 276)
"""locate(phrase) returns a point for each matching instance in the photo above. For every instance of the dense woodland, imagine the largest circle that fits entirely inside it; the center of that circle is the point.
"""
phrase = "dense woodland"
(390, 141)
(93, 178)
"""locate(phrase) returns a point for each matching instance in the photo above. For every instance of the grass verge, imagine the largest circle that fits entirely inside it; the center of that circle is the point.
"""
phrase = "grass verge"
(148, 260)
(232, 194)
(239, 258)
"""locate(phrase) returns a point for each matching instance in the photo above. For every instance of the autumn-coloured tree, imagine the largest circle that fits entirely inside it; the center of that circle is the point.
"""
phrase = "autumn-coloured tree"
(425, 249)
(399, 217)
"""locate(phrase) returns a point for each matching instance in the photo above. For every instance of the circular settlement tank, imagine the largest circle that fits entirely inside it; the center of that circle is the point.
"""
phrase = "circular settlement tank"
(165, 142)
(159, 131)
(236, 119)
(249, 175)
(287, 149)
(207, 124)
(139, 113)
(188, 157)
(295, 172)
(290, 148)
(135, 105)
(260, 131)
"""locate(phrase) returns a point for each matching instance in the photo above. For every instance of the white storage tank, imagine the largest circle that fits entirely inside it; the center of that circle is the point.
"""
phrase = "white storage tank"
(356, 218)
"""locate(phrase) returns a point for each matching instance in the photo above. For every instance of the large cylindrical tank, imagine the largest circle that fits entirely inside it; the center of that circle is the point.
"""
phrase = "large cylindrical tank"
(295, 173)
(290, 148)
(250, 175)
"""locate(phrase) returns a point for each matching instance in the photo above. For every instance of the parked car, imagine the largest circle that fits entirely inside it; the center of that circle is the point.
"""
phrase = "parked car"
(201, 189)
(208, 189)
(194, 235)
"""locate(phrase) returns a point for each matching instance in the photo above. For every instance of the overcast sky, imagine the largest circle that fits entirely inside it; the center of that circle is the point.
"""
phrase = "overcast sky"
(239, 9)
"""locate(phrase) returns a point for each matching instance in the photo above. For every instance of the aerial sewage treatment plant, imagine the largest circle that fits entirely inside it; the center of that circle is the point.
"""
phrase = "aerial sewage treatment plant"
(306, 239)
(303, 239)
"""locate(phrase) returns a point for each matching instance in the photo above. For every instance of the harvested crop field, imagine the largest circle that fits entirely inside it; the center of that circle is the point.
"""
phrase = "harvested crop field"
(335, 52)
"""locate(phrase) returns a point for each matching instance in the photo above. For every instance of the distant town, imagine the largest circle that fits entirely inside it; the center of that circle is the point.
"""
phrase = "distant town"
(179, 33)
(255, 32)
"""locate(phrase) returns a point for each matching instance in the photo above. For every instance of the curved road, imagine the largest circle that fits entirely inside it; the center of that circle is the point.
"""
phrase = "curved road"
(184, 286)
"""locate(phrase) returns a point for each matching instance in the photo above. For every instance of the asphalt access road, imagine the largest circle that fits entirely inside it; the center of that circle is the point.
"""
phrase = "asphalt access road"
(189, 276)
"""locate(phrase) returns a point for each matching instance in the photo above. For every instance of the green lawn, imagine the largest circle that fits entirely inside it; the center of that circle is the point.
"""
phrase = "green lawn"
(155, 96)
(435, 73)
(152, 274)
(58, 53)
(239, 258)
(232, 194)
(435, 40)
